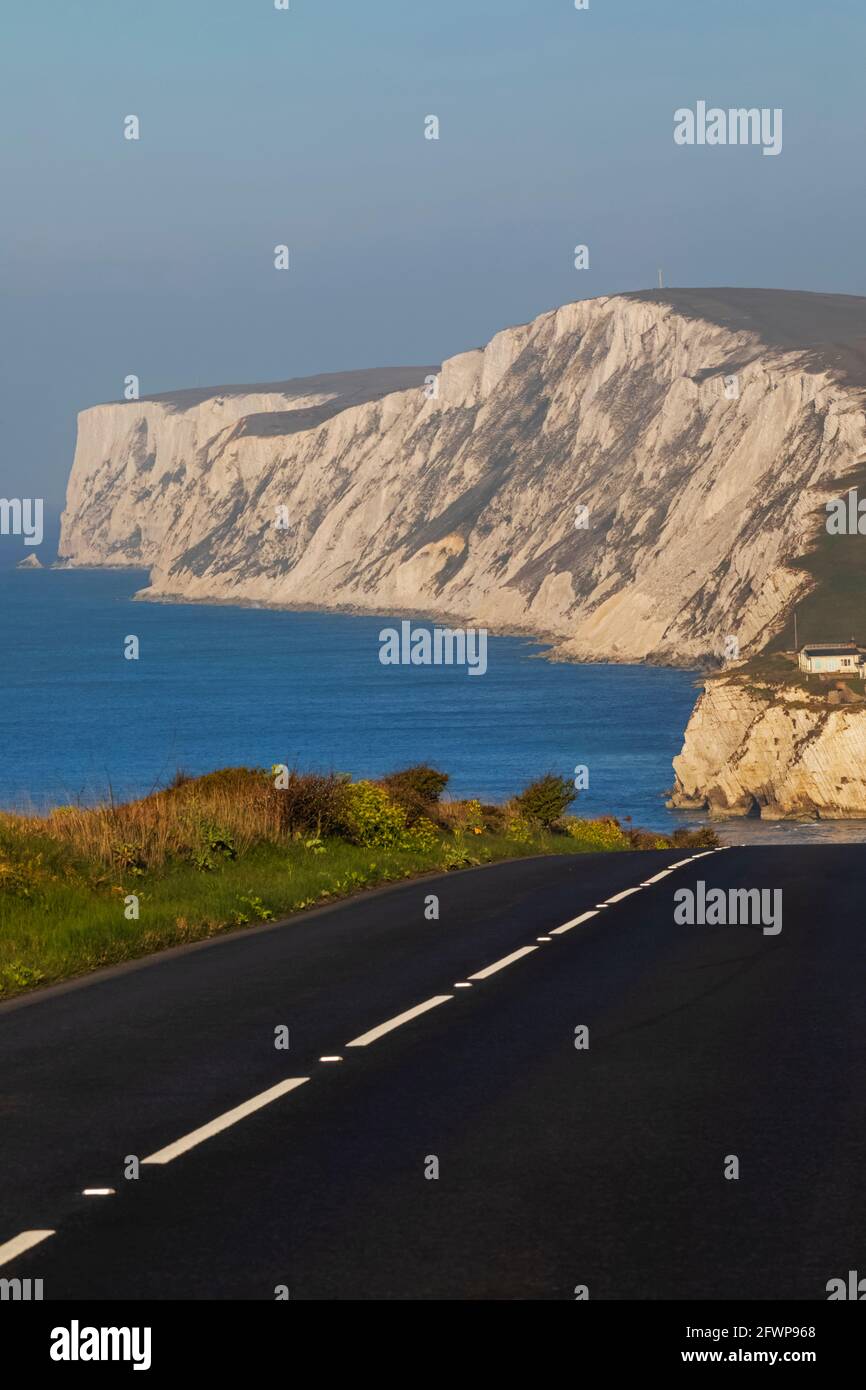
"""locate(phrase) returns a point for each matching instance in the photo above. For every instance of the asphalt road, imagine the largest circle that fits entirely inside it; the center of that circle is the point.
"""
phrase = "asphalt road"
(557, 1166)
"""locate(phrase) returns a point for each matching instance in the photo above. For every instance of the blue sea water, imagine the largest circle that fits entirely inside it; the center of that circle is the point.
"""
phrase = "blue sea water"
(217, 686)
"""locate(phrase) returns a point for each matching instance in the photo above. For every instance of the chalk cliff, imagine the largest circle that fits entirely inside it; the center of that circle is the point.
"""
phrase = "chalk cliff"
(774, 750)
(368, 491)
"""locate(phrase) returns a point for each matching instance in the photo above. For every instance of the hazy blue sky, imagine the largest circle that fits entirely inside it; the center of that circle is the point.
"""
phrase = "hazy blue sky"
(307, 127)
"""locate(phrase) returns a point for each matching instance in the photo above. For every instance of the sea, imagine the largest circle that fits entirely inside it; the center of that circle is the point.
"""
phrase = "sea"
(217, 686)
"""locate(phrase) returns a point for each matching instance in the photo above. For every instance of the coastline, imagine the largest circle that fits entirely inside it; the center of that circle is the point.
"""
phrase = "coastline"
(438, 618)
(807, 828)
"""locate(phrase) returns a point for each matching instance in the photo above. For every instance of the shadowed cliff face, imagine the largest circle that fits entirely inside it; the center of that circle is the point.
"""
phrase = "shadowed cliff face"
(363, 491)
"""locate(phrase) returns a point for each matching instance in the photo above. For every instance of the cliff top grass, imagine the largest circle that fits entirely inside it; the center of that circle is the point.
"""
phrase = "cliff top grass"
(835, 606)
(765, 673)
(84, 887)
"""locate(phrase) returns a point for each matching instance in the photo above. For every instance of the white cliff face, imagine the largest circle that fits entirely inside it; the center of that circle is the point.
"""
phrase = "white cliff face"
(465, 504)
(777, 753)
(136, 463)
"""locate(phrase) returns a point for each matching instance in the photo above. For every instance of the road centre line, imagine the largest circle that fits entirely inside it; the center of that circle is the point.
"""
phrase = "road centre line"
(575, 922)
(366, 1038)
(626, 893)
(231, 1117)
(25, 1240)
(498, 965)
(501, 964)
(224, 1121)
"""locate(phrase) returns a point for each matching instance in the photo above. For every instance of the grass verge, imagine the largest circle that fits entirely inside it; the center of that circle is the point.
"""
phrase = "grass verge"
(85, 888)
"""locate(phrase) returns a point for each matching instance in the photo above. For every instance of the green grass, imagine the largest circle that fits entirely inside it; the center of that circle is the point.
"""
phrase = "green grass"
(834, 610)
(65, 927)
(64, 892)
(764, 673)
(767, 670)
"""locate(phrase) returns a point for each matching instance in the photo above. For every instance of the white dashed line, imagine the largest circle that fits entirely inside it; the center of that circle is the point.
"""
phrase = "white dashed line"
(501, 964)
(26, 1240)
(231, 1117)
(575, 922)
(18, 1244)
(626, 893)
(383, 1028)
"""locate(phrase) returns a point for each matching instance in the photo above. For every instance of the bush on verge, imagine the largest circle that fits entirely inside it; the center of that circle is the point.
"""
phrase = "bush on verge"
(417, 789)
(546, 799)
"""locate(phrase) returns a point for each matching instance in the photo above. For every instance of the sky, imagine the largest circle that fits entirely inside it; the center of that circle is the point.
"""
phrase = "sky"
(306, 127)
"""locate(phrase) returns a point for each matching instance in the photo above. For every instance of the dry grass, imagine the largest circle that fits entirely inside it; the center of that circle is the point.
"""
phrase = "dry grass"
(231, 848)
(223, 814)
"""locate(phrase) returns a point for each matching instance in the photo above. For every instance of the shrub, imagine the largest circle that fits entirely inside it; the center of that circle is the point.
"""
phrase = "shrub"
(517, 826)
(372, 818)
(603, 834)
(420, 781)
(493, 818)
(705, 838)
(312, 802)
(474, 817)
(467, 816)
(648, 839)
(422, 836)
(546, 799)
(239, 781)
(417, 789)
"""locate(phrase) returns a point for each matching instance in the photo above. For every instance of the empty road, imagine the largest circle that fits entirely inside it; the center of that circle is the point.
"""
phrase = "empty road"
(463, 1147)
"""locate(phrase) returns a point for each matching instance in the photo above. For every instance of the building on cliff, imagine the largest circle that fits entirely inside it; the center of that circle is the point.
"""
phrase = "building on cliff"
(827, 657)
